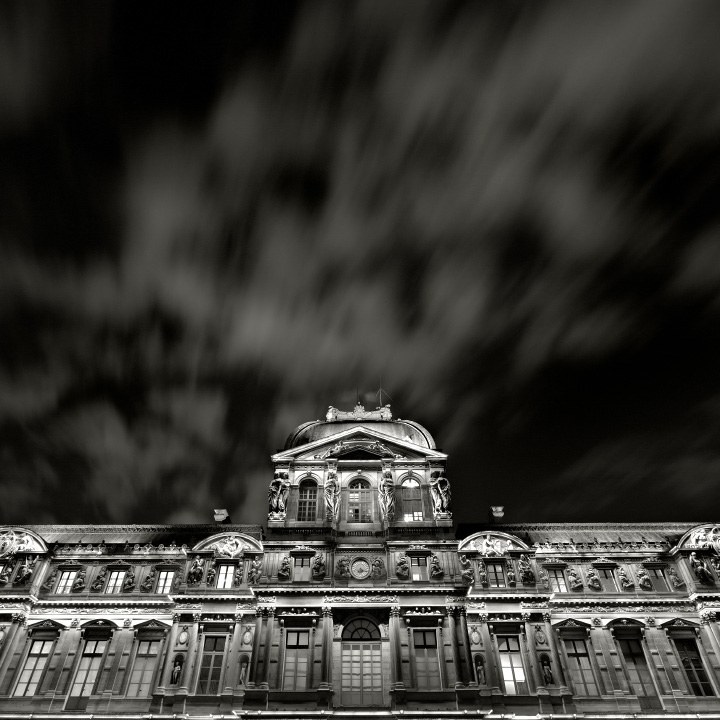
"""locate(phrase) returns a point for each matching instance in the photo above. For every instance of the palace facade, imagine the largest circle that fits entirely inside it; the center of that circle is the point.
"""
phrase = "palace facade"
(359, 599)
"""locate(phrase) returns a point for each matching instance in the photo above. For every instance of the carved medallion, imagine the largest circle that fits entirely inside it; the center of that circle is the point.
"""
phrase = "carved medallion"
(247, 637)
(360, 569)
(183, 636)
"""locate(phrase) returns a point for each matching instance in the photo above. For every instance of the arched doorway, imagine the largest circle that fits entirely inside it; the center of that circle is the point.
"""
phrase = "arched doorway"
(361, 673)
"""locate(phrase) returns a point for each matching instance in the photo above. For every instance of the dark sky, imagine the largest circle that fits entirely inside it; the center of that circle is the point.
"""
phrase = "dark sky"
(217, 219)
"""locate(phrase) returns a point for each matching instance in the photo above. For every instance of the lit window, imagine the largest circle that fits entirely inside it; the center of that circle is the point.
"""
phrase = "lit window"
(692, 666)
(411, 501)
(359, 502)
(143, 669)
(607, 578)
(426, 659)
(511, 664)
(296, 659)
(115, 582)
(302, 568)
(637, 668)
(658, 579)
(495, 574)
(165, 581)
(580, 668)
(307, 501)
(557, 581)
(88, 668)
(66, 581)
(418, 567)
(211, 665)
(225, 576)
(32, 671)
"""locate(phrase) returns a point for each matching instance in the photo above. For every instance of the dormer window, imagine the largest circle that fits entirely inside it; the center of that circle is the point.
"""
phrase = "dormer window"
(359, 502)
(411, 501)
(307, 501)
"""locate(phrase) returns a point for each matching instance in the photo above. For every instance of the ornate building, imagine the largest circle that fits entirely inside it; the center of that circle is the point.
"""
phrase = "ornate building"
(359, 599)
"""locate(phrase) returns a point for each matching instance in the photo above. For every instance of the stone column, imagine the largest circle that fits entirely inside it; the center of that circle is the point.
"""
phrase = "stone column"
(558, 670)
(454, 644)
(10, 646)
(166, 673)
(491, 672)
(268, 648)
(252, 671)
(191, 653)
(395, 647)
(472, 680)
(327, 639)
(231, 677)
(531, 654)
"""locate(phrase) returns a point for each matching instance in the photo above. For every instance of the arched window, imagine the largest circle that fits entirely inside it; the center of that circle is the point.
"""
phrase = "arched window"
(359, 501)
(361, 665)
(307, 500)
(411, 501)
(361, 629)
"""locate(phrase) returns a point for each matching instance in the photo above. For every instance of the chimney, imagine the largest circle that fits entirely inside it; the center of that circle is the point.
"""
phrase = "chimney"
(496, 512)
(222, 516)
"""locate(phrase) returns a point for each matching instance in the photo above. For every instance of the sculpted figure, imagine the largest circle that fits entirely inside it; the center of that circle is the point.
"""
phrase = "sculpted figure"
(378, 568)
(527, 576)
(210, 579)
(238, 578)
(402, 570)
(480, 670)
(700, 568)
(510, 574)
(439, 492)
(467, 574)
(574, 580)
(99, 583)
(593, 581)
(332, 496)
(25, 572)
(343, 568)
(176, 671)
(196, 571)
(79, 583)
(318, 568)
(284, 569)
(331, 414)
(129, 582)
(5, 574)
(546, 671)
(386, 496)
(277, 493)
(644, 579)
(436, 571)
(625, 582)
(255, 572)
(48, 584)
(674, 577)
(481, 573)
(148, 582)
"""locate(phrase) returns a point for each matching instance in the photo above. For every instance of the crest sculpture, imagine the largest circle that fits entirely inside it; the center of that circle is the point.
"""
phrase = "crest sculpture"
(358, 413)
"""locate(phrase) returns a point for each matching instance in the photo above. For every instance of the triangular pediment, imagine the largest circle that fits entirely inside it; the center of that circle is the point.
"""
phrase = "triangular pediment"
(362, 443)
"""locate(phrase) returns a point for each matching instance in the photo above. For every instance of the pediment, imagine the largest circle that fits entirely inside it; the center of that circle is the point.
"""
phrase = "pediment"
(491, 544)
(359, 444)
(701, 537)
(229, 545)
(15, 540)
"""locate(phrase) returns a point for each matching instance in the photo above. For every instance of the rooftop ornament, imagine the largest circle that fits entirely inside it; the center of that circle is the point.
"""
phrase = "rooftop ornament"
(358, 413)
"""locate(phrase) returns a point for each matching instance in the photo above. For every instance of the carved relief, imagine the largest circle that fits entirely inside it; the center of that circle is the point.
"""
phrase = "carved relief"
(544, 577)
(255, 572)
(211, 573)
(675, 580)
(6, 572)
(25, 571)
(79, 583)
(129, 582)
(318, 568)
(332, 497)
(48, 584)
(149, 581)
(378, 569)
(13, 542)
(592, 579)
(574, 580)
(467, 573)
(510, 572)
(436, 571)
(625, 582)
(374, 447)
(99, 582)
(494, 545)
(643, 579)
(700, 568)
(402, 568)
(238, 577)
(285, 568)
(386, 496)
(358, 413)
(196, 571)
(228, 547)
(527, 576)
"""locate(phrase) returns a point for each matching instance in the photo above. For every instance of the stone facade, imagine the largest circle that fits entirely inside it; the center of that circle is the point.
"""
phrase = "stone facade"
(360, 598)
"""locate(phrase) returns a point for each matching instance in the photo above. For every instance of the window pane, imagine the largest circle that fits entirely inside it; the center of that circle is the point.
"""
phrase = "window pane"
(165, 581)
(225, 576)
(34, 665)
(557, 581)
(143, 669)
(66, 582)
(579, 668)
(307, 502)
(211, 665)
(495, 574)
(115, 581)
(692, 666)
(511, 665)
(88, 668)
(359, 502)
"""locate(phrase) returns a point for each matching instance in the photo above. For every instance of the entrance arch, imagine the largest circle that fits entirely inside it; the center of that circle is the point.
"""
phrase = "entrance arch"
(361, 665)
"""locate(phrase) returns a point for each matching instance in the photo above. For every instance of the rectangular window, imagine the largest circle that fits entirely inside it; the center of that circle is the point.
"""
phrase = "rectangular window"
(557, 581)
(658, 579)
(296, 660)
(115, 582)
(67, 578)
(511, 665)
(637, 668)
(495, 574)
(607, 578)
(33, 669)
(143, 669)
(580, 668)
(307, 502)
(426, 659)
(165, 581)
(302, 568)
(411, 502)
(359, 504)
(418, 567)
(225, 576)
(692, 666)
(88, 668)
(211, 665)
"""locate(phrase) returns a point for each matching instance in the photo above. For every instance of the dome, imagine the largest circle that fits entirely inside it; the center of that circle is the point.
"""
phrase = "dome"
(379, 420)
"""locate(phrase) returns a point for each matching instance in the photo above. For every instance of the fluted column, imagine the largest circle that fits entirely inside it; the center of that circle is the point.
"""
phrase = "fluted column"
(167, 668)
(531, 654)
(491, 674)
(557, 665)
(454, 644)
(395, 646)
(256, 648)
(231, 677)
(327, 639)
(466, 647)
(191, 653)
(268, 647)
(8, 647)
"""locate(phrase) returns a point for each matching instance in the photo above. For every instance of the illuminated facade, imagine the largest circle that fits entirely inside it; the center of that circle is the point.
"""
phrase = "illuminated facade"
(358, 597)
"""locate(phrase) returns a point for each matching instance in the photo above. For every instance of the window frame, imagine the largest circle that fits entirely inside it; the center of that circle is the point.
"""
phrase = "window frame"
(34, 638)
(225, 572)
(630, 667)
(425, 682)
(607, 577)
(307, 506)
(221, 654)
(115, 580)
(512, 655)
(65, 581)
(572, 672)
(298, 657)
(161, 587)
(421, 563)
(557, 579)
(493, 576)
(407, 502)
(685, 637)
(363, 503)
(143, 638)
(301, 568)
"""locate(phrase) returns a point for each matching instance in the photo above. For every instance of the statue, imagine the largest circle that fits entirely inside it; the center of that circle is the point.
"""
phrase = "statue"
(5, 574)
(238, 577)
(99, 583)
(255, 572)
(402, 569)
(510, 574)
(177, 670)
(196, 571)
(148, 582)
(342, 568)
(318, 568)
(700, 568)
(331, 414)
(625, 582)
(210, 579)
(386, 496)
(24, 572)
(332, 496)
(285, 568)
(436, 571)
(378, 568)
(277, 494)
(129, 582)
(644, 579)
(527, 576)
(546, 671)
(675, 580)
(480, 670)
(481, 573)
(467, 574)
(48, 584)
(79, 583)
(592, 579)
(574, 580)
(439, 492)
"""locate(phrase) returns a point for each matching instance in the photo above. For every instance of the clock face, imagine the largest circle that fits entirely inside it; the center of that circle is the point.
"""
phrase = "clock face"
(360, 569)
(183, 637)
